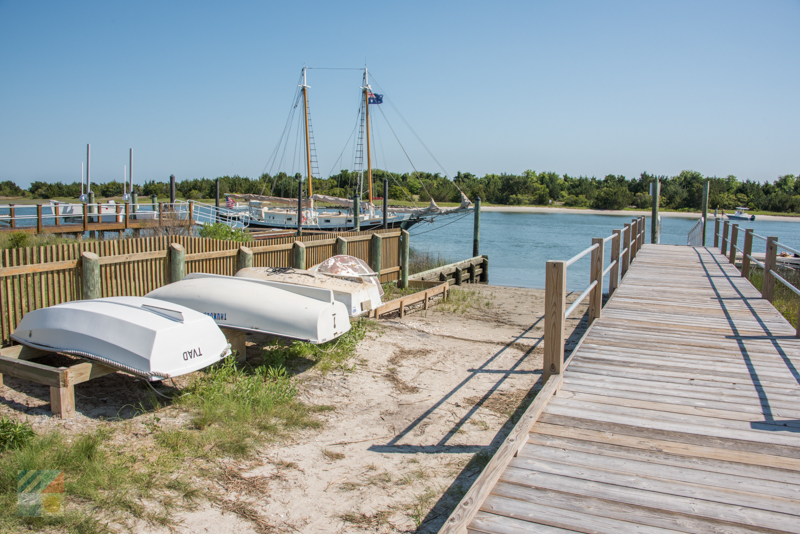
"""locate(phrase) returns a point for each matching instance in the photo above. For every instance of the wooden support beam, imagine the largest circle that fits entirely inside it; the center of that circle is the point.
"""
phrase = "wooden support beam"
(554, 306)
(748, 251)
(734, 240)
(237, 339)
(596, 275)
(613, 274)
(770, 262)
(62, 401)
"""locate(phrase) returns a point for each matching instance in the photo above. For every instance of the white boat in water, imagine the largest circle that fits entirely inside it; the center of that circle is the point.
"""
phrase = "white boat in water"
(138, 335)
(740, 215)
(357, 289)
(279, 309)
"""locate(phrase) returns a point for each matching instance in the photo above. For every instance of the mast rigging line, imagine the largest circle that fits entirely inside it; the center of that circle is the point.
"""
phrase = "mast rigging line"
(440, 227)
(273, 156)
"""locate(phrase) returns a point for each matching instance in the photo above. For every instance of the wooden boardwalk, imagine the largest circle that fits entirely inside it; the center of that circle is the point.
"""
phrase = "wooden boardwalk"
(679, 412)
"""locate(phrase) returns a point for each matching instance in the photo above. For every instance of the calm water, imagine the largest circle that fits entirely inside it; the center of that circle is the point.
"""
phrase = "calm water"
(519, 244)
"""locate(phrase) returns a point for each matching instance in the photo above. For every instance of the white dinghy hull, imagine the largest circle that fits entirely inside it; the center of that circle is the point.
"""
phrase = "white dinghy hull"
(138, 335)
(358, 296)
(283, 310)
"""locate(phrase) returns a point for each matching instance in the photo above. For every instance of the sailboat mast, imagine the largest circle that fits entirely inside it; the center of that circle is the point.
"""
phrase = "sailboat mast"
(308, 142)
(369, 153)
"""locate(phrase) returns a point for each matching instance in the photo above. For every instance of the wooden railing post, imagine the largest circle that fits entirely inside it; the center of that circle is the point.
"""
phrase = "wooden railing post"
(244, 258)
(341, 246)
(770, 262)
(632, 239)
(555, 295)
(613, 274)
(177, 262)
(12, 216)
(485, 267)
(191, 213)
(160, 213)
(596, 274)
(85, 218)
(748, 251)
(127, 216)
(642, 232)
(90, 275)
(299, 255)
(375, 253)
(626, 247)
(56, 212)
(39, 223)
(716, 232)
(724, 246)
(734, 241)
(405, 257)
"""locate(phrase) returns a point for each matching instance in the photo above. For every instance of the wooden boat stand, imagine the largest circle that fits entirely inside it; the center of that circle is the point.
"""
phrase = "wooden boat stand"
(14, 362)
(429, 290)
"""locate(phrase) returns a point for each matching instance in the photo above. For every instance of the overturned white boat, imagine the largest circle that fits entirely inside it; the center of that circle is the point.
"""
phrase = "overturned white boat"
(353, 283)
(283, 310)
(138, 335)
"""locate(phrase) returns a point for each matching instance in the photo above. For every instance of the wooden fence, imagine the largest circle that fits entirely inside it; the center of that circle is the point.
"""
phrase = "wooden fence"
(38, 277)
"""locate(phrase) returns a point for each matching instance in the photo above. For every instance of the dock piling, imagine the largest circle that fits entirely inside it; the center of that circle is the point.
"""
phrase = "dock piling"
(177, 262)
(90, 275)
(476, 232)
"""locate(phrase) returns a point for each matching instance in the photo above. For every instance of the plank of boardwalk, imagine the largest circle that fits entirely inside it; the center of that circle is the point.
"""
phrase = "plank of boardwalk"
(645, 516)
(654, 451)
(690, 506)
(649, 431)
(486, 523)
(527, 510)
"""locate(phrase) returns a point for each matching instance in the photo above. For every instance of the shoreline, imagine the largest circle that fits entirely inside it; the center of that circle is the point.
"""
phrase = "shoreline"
(624, 213)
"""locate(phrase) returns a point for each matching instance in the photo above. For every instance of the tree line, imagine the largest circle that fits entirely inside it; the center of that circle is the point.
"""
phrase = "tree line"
(681, 192)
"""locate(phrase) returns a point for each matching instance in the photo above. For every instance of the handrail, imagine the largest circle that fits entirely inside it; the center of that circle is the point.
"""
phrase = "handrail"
(695, 237)
(761, 237)
(609, 238)
(580, 255)
(579, 299)
(785, 282)
(755, 260)
(610, 266)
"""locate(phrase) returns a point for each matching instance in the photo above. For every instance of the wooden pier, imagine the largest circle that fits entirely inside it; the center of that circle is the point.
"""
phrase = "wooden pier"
(678, 412)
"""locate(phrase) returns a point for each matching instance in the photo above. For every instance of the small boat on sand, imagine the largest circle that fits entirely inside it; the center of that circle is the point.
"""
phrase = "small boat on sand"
(283, 310)
(353, 283)
(138, 335)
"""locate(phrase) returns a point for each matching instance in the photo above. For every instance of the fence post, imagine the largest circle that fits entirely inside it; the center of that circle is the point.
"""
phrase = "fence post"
(554, 304)
(613, 274)
(748, 251)
(341, 246)
(625, 251)
(85, 218)
(244, 258)
(160, 213)
(642, 232)
(734, 240)
(405, 253)
(38, 218)
(770, 262)
(127, 216)
(485, 267)
(299, 255)
(596, 274)
(376, 250)
(191, 213)
(656, 185)
(177, 262)
(716, 232)
(90, 275)
(633, 239)
(724, 246)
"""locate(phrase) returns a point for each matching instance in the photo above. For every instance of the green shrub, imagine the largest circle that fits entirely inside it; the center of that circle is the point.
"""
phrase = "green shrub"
(14, 434)
(223, 231)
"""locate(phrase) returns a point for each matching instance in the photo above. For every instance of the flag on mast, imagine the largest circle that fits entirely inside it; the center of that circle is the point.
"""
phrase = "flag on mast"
(375, 98)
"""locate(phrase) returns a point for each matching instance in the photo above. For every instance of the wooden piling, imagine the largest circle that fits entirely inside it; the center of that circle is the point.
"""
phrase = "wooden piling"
(244, 258)
(177, 262)
(554, 306)
(299, 255)
(90, 275)
(341, 246)
(375, 253)
(704, 207)
(405, 254)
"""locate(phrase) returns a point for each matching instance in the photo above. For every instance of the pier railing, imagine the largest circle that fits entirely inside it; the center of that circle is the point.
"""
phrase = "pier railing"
(695, 236)
(37, 277)
(625, 244)
(729, 247)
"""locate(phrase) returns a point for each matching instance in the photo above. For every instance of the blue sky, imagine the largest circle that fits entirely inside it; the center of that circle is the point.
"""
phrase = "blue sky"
(203, 88)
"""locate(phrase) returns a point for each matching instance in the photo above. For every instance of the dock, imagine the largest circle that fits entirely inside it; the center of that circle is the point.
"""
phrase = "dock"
(678, 412)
